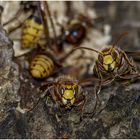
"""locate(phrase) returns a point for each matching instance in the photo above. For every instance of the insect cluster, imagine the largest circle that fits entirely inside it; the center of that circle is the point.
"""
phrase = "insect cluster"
(65, 90)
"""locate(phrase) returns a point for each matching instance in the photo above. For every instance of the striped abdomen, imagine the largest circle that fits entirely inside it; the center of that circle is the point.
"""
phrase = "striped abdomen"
(41, 66)
(31, 31)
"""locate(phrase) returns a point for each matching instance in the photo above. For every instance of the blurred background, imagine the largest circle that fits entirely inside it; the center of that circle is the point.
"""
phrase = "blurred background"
(117, 16)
